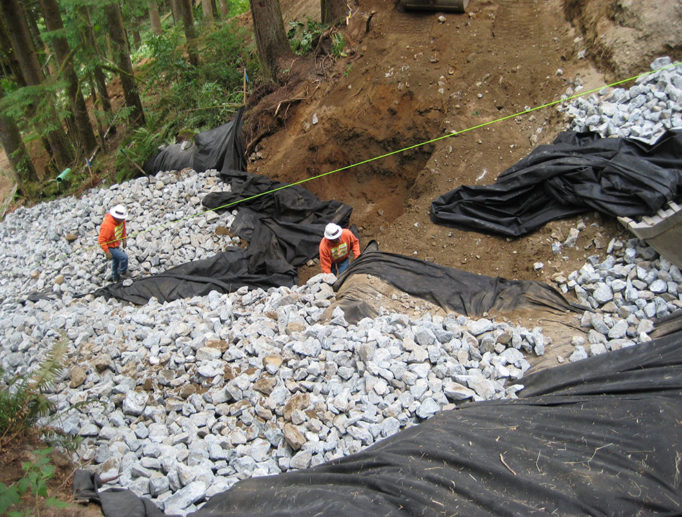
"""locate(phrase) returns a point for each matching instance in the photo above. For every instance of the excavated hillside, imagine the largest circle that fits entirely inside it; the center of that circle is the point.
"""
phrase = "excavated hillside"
(412, 77)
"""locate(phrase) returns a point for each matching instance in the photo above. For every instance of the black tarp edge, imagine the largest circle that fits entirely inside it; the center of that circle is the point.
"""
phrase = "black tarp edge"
(466, 293)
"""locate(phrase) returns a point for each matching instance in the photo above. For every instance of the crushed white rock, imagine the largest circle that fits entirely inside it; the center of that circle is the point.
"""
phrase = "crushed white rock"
(178, 401)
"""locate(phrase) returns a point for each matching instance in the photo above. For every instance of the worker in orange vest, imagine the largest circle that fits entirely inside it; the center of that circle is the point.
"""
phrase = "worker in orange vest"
(112, 236)
(336, 247)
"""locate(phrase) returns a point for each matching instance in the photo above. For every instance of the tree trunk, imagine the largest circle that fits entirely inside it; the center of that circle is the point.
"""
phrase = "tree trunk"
(101, 81)
(33, 29)
(273, 46)
(190, 33)
(137, 39)
(49, 63)
(53, 21)
(207, 9)
(122, 58)
(96, 102)
(224, 9)
(22, 44)
(12, 143)
(332, 11)
(176, 9)
(90, 42)
(155, 17)
(8, 55)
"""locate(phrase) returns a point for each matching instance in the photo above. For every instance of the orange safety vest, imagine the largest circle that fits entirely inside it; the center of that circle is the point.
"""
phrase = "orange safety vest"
(331, 253)
(111, 234)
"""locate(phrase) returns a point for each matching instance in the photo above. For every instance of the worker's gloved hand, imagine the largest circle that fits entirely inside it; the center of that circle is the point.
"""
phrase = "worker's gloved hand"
(108, 254)
(124, 243)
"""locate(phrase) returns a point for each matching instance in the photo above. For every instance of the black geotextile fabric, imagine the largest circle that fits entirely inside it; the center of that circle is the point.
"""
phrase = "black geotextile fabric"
(667, 325)
(602, 436)
(218, 148)
(225, 272)
(579, 172)
(283, 230)
(290, 218)
(460, 291)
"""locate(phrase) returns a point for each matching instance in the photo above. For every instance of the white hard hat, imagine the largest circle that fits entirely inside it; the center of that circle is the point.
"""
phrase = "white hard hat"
(119, 212)
(332, 231)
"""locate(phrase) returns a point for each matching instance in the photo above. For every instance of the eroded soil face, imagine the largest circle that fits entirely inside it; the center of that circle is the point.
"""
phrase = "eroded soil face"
(413, 78)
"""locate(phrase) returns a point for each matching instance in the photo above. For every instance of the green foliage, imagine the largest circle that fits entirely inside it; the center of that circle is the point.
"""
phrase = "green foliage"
(303, 37)
(182, 99)
(238, 7)
(226, 51)
(142, 143)
(177, 96)
(38, 100)
(338, 44)
(141, 53)
(22, 401)
(168, 64)
(34, 482)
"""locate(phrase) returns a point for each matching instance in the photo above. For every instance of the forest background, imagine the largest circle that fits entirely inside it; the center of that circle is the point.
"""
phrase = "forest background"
(90, 90)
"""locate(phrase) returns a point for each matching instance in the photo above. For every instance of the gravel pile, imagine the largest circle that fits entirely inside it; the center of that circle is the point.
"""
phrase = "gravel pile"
(56, 242)
(644, 111)
(178, 401)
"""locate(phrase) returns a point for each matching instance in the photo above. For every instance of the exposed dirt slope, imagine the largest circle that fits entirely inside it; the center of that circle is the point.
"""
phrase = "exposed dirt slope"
(414, 77)
(625, 36)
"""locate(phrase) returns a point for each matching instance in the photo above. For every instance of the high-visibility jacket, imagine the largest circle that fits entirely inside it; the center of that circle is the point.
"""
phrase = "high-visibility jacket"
(332, 252)
(110, 233)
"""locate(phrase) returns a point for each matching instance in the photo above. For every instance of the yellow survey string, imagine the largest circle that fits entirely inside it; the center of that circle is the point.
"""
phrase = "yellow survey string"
(402, 150)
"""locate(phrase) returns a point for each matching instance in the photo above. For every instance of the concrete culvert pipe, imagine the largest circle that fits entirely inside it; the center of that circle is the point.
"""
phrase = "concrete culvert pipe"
(451, 6)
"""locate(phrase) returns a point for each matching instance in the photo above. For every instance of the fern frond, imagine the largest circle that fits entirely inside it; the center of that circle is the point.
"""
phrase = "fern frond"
(50, 368)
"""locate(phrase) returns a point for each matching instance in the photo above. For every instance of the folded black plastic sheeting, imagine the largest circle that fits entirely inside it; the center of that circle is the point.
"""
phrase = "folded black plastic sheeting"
(225, 272)
(579, 172)
(667, 325)
(460, 291)
(218, 148)
(114, 501)
(275, 199)
(602, 436)
(275, 216)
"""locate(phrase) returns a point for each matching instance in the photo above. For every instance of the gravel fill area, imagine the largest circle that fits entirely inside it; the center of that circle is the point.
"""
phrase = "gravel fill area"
(178, 401)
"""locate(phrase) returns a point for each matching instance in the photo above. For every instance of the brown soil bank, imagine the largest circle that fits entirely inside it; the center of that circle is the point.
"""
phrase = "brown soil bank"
(412, 77)
(625, 36)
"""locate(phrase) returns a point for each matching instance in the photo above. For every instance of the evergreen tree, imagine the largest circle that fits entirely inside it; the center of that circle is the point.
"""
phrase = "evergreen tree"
(154, 17)
(125, 67)
(190, 31)
(15, 149)
(22, 45)
(53, 21)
